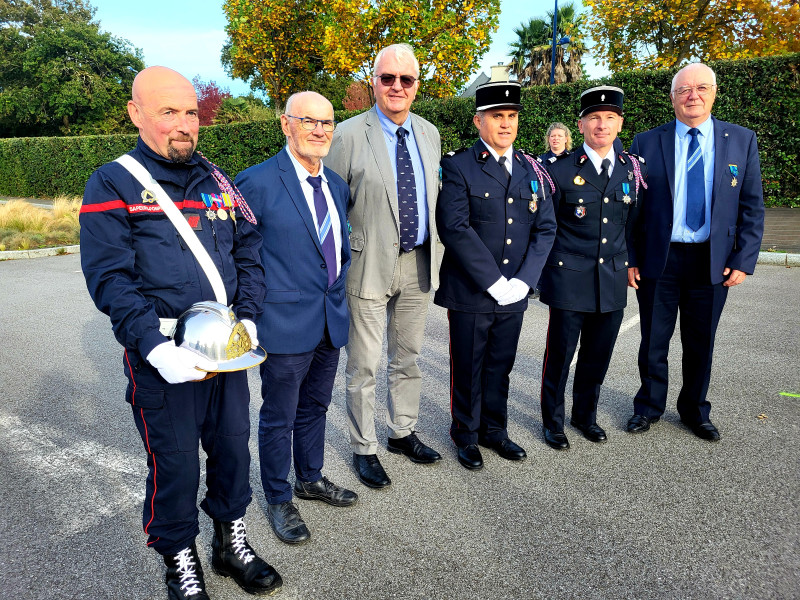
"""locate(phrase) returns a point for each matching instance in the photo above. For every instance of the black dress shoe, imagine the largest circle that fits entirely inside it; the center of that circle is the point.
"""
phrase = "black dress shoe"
(506, 449)
(413, 449)
(592, 432)
(556, 439)
(705, 431)
(640, 423)
(185, 575)
(287, 523)
(232, 556)
(326, 491)
(470, 457)
(370, 471)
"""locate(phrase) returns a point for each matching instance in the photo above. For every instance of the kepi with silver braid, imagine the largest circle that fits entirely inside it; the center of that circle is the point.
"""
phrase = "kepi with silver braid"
(212, 330)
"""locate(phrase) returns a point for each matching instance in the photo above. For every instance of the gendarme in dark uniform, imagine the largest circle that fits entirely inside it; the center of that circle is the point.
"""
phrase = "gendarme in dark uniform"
(497, 225)
(586, 277)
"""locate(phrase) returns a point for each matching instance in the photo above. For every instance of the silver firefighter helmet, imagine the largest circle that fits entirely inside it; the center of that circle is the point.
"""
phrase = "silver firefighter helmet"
(211, 329)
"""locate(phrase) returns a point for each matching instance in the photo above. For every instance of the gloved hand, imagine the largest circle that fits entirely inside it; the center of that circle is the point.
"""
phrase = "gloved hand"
(179, 365)
(519, 290)
(499, 289)
(252, 332)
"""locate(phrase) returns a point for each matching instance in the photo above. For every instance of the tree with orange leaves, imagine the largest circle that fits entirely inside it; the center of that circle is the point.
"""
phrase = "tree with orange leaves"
(666, 33)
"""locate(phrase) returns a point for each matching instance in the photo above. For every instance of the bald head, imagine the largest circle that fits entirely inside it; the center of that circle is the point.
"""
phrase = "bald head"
(164, 109)
(308, 146)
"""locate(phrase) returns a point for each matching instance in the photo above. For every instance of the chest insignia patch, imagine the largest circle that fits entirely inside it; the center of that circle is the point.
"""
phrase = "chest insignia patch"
(580, 211)
(194, 221)
(148, 196)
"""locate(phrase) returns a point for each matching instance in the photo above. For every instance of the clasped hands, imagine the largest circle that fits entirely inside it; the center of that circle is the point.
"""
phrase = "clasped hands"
(508, 291)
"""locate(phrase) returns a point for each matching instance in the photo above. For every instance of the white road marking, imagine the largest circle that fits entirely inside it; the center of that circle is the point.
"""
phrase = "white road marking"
(632, 322)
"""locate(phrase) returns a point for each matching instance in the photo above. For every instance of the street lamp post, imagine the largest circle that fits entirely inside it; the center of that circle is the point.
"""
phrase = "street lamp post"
(562, 42)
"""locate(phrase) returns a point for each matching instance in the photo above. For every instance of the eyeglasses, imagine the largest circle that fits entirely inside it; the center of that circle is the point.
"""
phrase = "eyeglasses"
(704, 89)
(310, 124)
(405, 80)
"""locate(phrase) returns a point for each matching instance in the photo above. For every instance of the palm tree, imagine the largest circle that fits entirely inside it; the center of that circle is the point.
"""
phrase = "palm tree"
(531, 52)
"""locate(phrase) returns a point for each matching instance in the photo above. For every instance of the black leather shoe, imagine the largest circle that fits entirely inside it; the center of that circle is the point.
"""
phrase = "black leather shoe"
(370, 471)
(287, 523)
(470, 457)
(326, 491)
(592, 432)
(232, 556)
(185, 575)
(640, 423)
(413, 449)
(506, 449)
(556, 439)
(705, 431)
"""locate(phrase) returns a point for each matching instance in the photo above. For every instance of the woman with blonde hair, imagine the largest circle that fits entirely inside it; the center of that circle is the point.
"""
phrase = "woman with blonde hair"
(558, 140)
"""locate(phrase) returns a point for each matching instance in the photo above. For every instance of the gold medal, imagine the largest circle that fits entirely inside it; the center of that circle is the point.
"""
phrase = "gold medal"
(233, 214)
(222, 214)
(733, 182)
(626, 199)
(211, 214)
(578, 180)
(532, 206)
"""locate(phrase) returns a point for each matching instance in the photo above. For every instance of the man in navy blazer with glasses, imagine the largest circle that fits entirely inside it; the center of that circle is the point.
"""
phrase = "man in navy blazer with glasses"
(699, 235)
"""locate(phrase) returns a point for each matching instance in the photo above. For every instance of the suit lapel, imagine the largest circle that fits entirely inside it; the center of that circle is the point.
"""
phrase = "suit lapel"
(490, 166)
(587, 171)
(377, 143)
(518, 171)
(667, 138)
(292, 185)
(619, 174)
(720, 157)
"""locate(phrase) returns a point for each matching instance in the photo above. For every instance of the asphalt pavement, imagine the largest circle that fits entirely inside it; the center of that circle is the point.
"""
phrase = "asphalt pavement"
(657, 515)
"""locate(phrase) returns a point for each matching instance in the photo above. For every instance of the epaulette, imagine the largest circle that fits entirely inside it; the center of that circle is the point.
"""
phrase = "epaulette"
(632, 155)
(454, 152)
(561, 156)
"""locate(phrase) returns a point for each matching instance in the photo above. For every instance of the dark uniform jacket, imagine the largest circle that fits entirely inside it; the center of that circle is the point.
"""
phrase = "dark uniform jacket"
(138, 268)
(490, 227)
(587, 270)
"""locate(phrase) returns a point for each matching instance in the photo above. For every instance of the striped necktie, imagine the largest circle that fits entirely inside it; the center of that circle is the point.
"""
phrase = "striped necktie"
(325, 231)
(695, 184)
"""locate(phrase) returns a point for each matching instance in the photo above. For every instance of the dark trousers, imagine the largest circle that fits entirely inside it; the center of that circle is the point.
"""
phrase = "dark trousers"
(483, 347)
(597, 333)
(296, 391)
(171, 418)
(683, 287)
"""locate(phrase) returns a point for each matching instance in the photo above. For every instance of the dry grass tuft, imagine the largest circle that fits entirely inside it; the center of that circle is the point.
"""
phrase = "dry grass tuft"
(24, 226)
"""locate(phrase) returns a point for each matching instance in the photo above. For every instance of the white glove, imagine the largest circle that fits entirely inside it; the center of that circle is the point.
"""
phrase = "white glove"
(179, 365)
(252, 332)
(499, 289)
(519, 290)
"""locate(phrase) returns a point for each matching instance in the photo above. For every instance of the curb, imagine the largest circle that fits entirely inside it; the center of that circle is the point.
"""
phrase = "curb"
(783, 259)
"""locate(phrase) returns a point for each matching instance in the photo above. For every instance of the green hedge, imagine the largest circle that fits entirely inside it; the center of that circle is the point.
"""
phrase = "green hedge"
(761, 94)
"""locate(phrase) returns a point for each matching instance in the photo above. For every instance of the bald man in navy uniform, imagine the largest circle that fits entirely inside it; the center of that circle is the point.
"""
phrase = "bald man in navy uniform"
(495, 219)
(585, 281)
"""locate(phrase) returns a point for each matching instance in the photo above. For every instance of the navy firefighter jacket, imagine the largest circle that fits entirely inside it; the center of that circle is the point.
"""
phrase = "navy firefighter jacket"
(136, 265)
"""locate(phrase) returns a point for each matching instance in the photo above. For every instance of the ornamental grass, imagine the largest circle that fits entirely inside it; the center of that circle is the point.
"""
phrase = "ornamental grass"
(24, 226)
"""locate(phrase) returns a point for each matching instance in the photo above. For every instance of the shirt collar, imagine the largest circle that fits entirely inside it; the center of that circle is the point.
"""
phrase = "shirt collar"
(596, 159)
(302, 172)
(509, 153)
(682, 129)
(390, 127)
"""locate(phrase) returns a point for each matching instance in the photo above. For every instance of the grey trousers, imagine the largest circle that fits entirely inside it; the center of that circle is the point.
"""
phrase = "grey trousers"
(401, 316)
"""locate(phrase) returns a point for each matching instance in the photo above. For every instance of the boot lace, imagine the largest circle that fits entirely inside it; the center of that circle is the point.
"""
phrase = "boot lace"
(186, 567)
(239, 542)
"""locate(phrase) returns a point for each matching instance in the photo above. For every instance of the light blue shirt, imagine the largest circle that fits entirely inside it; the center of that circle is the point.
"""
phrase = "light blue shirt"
(680, 232)
(390, 135)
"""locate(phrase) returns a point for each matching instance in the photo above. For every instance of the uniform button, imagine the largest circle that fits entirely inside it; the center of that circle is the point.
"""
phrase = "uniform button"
(605, 200)
(323, 266)
(605, 219)
(626, 263)
(604, 240)
(510, 221)
(580, 200)
(508, 241)
(505, 261)
(601, 261)
(486, 195)
(560, 264)
(511, 201)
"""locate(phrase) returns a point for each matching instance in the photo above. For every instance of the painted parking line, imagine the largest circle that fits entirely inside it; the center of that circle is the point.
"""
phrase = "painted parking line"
(629, 324)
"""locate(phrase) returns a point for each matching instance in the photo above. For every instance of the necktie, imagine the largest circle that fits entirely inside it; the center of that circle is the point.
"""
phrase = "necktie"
(605, 166)
(325, 231)
(502, 161)
(406, 194)
(695, 184)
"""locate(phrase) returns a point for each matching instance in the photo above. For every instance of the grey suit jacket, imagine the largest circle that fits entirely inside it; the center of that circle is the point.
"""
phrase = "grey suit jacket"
(358, 154)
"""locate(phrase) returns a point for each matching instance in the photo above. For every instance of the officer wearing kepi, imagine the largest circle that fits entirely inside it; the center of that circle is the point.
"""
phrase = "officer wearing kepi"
(495, 219)
(163, 233)
(585, 279)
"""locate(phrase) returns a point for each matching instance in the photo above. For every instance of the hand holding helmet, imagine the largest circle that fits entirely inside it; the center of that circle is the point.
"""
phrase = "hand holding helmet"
(179, 365)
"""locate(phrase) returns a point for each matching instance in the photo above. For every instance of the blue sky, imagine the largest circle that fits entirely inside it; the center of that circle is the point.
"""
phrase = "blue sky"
(188, 35)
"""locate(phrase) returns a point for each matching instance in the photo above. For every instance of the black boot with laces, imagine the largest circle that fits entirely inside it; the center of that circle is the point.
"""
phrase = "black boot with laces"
(185, 575)
(232, 556)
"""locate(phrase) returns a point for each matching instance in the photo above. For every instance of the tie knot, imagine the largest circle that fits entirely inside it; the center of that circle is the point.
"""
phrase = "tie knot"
(502, 160)
(316, 182)
(694, 131)
(401, 133)
(605, 164)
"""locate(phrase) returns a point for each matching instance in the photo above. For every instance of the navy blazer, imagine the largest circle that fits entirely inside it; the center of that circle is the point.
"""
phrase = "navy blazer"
(737, 202)
(299, 303)
(490, 227)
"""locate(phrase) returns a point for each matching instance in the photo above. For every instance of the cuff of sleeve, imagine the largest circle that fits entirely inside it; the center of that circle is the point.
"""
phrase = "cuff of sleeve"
(150, 341)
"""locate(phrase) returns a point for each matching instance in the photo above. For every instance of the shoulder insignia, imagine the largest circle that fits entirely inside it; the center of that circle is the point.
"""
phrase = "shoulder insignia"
(641, 159)
(454, 152)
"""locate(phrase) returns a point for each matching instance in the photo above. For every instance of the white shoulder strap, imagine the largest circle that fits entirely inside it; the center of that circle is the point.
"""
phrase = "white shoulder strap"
(178, 220)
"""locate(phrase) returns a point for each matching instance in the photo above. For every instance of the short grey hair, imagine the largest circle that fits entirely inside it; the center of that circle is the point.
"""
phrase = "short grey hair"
(675, 78)
(401, 51)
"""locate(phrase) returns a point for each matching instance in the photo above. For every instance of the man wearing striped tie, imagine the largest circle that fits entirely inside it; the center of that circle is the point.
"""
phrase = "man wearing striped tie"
(698, 236)
(300, 207)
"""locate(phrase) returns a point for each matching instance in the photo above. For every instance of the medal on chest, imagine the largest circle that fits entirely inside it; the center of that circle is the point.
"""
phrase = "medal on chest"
(735, 172)
(626, 188)
(532, 204)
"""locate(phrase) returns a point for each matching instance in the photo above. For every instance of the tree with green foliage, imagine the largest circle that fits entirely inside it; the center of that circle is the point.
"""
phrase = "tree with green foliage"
(531, 52)
(59, 74)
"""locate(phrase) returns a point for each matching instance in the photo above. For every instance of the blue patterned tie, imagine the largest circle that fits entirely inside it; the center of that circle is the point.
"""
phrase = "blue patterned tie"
(695, 184)
(325, 231)
(406, 194)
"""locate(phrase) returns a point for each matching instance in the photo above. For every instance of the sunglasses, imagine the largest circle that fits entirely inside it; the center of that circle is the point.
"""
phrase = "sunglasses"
(405, 80)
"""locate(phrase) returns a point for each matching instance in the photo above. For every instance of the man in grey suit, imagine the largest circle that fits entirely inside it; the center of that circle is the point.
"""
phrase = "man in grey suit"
(390, 159)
